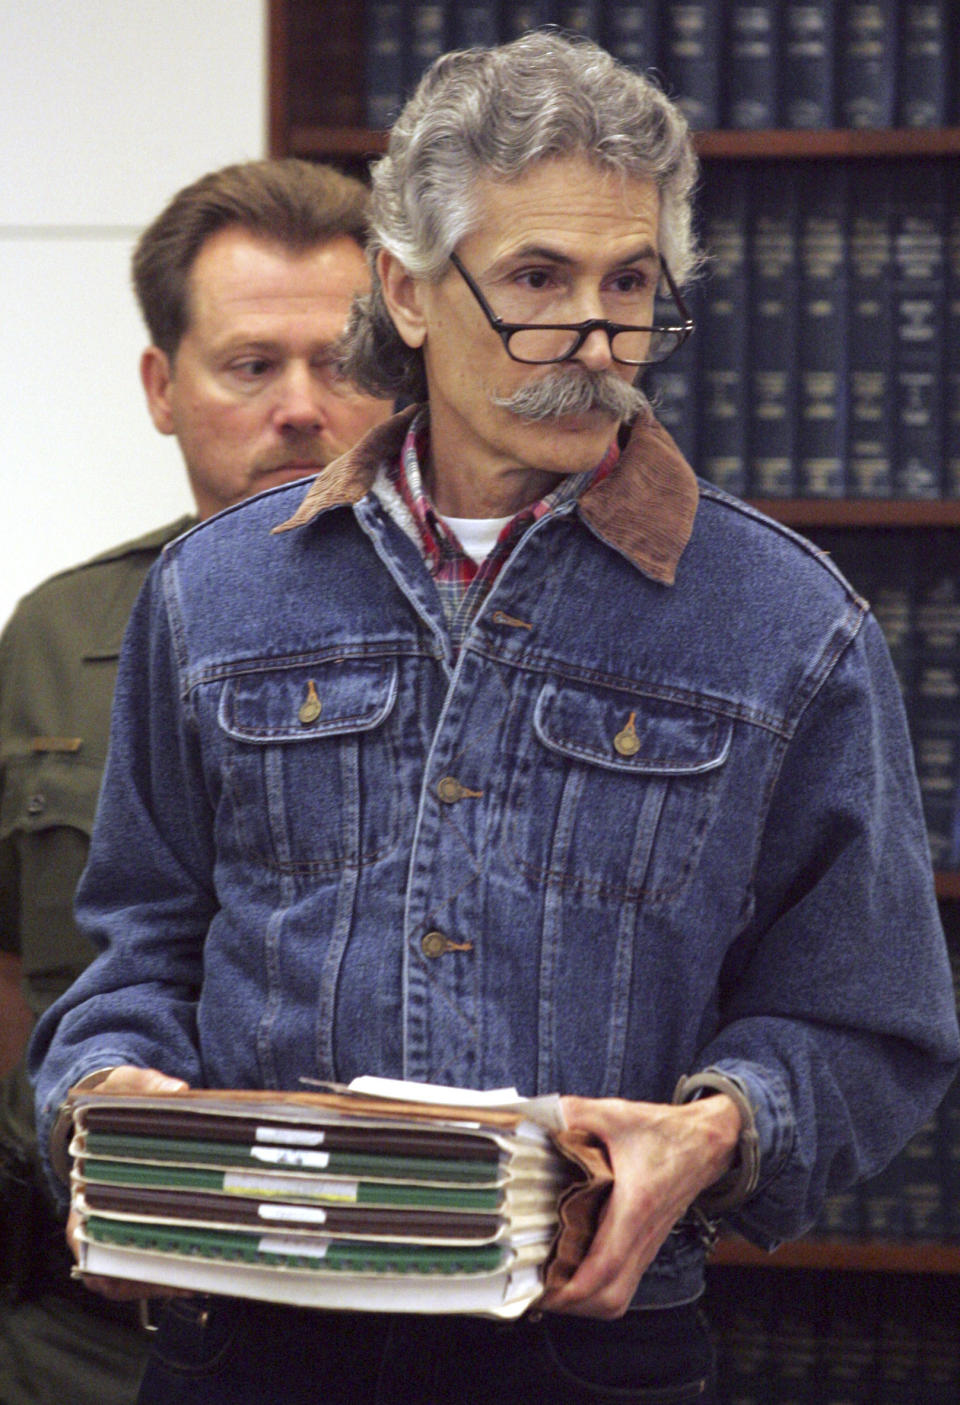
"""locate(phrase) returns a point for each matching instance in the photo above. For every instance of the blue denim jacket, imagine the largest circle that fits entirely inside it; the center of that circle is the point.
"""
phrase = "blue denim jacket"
(657, 814)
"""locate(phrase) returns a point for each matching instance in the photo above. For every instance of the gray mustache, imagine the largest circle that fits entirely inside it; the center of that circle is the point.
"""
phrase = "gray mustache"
(570, 390)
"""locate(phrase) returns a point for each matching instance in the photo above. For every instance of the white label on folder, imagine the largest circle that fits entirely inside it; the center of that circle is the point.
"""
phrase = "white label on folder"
(274, 1244)
(250, 1183)
(289, 1136)
(289, 1156)
(304, 1214)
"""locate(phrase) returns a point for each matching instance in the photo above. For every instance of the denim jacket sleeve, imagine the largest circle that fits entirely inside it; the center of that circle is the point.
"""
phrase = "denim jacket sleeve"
(837, 1012)
(146, 893)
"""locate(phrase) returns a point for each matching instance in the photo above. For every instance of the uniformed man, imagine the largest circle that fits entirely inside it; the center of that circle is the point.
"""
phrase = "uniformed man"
(244, 282)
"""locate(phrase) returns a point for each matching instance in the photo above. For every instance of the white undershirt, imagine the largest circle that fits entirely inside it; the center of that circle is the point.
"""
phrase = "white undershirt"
(477, 535)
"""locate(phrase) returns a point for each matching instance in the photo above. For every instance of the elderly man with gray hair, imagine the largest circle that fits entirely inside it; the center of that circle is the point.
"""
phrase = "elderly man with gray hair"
(514, 755)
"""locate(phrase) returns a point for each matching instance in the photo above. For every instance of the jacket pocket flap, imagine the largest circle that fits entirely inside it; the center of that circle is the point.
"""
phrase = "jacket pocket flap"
(626, 732)
(43, 792)
(306, 701)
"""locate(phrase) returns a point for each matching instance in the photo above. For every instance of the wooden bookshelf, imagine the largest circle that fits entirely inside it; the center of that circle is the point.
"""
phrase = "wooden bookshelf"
(843, 1255)
(825, 145)
(861, 512)
(316, 102)
(333, 142)
(948, 884)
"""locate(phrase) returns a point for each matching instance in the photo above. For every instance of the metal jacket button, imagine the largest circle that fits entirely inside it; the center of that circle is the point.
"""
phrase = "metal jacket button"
(433, 944)
(627, 743)
(311, 707)
(450, 790)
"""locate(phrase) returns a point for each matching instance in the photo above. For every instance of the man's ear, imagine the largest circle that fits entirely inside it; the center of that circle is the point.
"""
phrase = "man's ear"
(157, 379)
(402, 294)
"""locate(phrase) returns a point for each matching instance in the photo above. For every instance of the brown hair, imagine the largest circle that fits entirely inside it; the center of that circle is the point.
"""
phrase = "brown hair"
(290, 202)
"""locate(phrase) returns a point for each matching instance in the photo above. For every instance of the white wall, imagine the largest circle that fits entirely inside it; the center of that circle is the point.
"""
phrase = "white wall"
(107, 107)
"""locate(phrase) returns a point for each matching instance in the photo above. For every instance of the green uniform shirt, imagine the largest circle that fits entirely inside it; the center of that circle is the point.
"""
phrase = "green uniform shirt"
(58, 668)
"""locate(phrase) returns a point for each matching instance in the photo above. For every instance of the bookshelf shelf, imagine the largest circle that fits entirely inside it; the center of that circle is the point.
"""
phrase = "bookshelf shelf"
(861, 512)
(334, 142)
(834, 143)
(948, 883)
(352, 142)
(844, 1255)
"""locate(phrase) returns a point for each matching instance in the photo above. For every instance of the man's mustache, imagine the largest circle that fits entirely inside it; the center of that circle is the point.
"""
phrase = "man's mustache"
(304, 451)
(574, 390)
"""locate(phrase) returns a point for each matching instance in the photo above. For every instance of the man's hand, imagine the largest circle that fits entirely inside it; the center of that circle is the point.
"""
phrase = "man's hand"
(127, 1079)
(662, 1158)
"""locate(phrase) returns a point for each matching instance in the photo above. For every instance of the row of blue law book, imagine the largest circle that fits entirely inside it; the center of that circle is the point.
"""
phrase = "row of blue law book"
(801, 1337)
(826, 359)
(911, 578)
(747, 64)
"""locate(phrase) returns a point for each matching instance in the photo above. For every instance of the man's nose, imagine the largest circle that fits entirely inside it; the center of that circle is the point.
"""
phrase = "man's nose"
(596, 353)
(300, 400)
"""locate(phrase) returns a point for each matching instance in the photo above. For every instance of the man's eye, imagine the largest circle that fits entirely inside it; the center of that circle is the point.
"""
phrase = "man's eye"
(535, 278)
(631, 281)
(329, 369)
(251, 367)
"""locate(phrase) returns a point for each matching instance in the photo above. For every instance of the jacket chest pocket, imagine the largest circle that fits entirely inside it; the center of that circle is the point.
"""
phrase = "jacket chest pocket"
(613, 795)
(310, 767)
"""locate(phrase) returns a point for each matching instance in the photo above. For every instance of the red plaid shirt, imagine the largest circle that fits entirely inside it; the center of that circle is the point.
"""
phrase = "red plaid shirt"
(464, 585)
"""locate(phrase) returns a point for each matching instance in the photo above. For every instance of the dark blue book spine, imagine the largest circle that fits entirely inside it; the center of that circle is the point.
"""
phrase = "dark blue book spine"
(384, 62)
(691, 43)
(894, 604)
(898, 1349)
(631, 32)
(923, 1201)
(880, 567)
(722, 434)
(794, 1347)
(519, 18)
(949, 1124)
(919, 315)
(772, 352)
(867, 59)
(881, 1199)
(923, 83)
(425, 31)
(581, 17)
(840, 1217)
(743, 1348)
(674, 385)
(870, 337)
(939, 1352)
(474, 24)
(949, 1114)
(935, 714)
(951, 426)
(937, 751)
(821, 331)
(752, 65)
(847, 1366)
(808, 49)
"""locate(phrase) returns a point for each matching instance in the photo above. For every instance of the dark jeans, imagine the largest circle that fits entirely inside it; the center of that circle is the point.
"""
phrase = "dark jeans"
(220, 1351)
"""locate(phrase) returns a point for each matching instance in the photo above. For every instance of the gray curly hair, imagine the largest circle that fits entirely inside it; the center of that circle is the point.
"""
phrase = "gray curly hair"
(490, 114)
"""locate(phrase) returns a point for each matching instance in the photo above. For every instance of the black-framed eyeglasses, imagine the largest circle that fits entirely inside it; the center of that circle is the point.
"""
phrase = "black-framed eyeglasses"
(545, 343)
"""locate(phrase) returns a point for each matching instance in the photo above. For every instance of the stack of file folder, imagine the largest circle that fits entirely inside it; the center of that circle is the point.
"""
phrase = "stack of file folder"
(334, 1200)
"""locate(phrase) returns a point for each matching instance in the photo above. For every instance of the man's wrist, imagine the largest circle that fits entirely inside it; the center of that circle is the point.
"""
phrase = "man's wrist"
(739, 1182)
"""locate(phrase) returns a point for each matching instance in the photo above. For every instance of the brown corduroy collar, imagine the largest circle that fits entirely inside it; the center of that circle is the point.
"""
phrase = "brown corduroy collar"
(644, 508)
